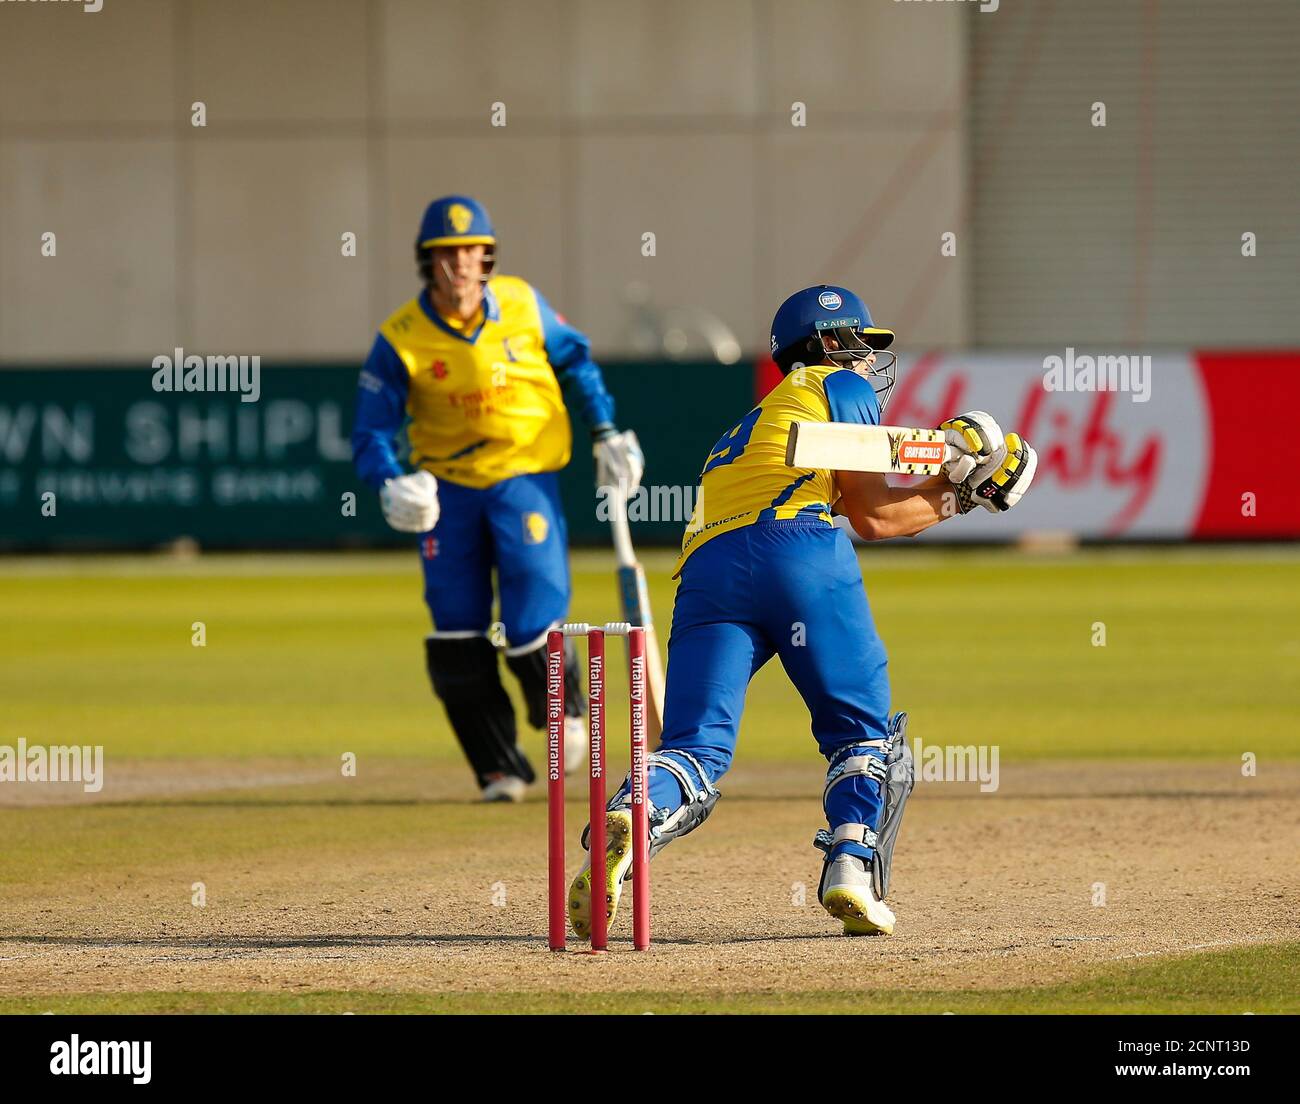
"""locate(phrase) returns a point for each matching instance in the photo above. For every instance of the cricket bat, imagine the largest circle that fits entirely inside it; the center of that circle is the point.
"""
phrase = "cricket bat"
(840, 446)
(635, 600)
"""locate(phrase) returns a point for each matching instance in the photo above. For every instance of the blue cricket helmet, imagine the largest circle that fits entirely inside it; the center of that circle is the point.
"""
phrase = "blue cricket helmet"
(808, 313)
(827, 322)
(454, 220)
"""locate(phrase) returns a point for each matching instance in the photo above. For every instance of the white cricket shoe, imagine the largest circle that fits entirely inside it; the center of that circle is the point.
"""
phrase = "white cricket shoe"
(850, 896)
(576, 737)
(508, 787)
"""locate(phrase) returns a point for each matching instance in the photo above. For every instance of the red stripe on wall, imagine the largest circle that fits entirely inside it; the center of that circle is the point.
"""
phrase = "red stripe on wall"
(1252, 400)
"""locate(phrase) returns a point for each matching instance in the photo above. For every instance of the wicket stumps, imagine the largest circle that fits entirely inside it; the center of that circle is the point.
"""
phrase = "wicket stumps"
(557, 886)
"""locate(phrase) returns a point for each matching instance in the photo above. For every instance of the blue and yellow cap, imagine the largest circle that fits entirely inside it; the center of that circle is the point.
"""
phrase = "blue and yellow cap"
(456, 220)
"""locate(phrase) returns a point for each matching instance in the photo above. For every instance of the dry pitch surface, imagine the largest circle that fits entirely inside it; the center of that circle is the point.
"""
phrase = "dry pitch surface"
(393, 881)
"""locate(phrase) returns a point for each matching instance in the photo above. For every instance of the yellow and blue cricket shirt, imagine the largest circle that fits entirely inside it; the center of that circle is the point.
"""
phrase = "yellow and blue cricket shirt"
(484, 397)
(745, 479)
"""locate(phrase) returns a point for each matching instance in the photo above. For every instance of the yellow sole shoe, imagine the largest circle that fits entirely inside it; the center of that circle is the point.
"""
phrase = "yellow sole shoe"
(618, 858)
(859, 915)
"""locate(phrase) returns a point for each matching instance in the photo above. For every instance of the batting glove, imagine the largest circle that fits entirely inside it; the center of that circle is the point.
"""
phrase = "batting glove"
(410, 502)
(974, 437)
(619, 461)
(1002, 482)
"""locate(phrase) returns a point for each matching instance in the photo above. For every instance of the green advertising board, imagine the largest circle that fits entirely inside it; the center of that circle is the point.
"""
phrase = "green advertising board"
(97, 458)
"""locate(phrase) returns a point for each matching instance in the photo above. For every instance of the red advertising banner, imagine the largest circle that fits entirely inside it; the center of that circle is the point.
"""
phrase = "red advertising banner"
(1165, 446)
(1250, 397)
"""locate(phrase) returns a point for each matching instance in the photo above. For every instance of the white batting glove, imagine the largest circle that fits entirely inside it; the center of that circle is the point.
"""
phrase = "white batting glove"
(619, 460)
(410, 502)
(976, 437)
(1003, 481)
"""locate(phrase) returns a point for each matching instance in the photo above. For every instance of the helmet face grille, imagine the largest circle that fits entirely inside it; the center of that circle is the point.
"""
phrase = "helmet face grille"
(846, 347)
(424, 261)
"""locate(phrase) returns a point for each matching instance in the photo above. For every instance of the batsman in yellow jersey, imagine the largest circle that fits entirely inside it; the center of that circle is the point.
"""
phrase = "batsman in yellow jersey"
(764, 572)
(478, 366)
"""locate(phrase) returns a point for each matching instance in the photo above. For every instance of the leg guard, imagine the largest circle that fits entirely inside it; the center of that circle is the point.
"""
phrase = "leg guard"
(889, 763)
(530, 669)
(668, 825)
(466, 677)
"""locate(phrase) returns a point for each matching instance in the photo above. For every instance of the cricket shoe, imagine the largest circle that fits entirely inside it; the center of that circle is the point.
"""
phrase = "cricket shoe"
(505, 787)
(618, 861)
(849, 895)
(576, 746)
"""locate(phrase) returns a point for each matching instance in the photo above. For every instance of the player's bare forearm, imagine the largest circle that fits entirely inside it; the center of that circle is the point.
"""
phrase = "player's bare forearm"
(878, 510)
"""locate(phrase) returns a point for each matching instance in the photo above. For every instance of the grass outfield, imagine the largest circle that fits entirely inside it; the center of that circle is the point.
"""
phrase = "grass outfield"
(1260, 980)
(307, 654)
(394, 891)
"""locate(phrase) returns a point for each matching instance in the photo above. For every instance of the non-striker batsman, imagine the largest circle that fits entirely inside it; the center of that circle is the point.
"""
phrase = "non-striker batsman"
(481, 365)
